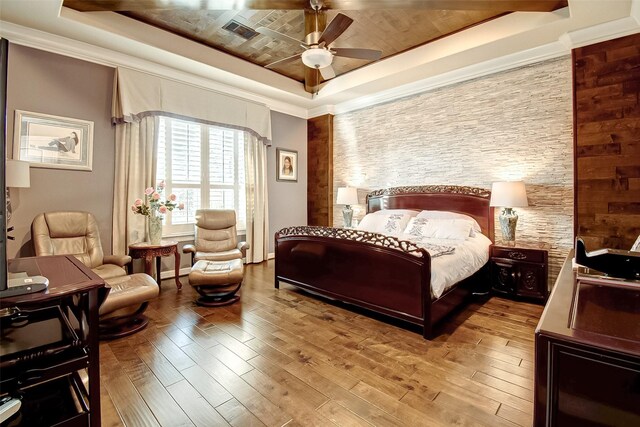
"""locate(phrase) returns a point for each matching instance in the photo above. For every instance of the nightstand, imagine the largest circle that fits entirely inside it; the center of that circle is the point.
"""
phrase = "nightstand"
(521, 270)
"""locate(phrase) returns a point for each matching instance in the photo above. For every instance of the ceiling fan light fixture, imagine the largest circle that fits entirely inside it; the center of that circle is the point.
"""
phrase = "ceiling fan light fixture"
(317, 58)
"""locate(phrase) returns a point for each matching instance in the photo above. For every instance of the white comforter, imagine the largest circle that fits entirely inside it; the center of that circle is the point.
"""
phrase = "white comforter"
(446, 270)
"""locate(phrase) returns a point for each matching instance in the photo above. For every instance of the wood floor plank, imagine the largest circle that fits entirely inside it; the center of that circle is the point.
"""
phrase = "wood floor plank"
(456, 405)
(341, 416)
(503, 385)
(201, 413)
(238, 347)
(261, 407)
(237, 415)
(159, 365)
(130, 405)
(284, 357)
(209, 388)
(515, 416)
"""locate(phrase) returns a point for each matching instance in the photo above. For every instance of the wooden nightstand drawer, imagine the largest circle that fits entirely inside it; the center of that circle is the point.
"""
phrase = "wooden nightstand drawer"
(519, 271)
(519, 254)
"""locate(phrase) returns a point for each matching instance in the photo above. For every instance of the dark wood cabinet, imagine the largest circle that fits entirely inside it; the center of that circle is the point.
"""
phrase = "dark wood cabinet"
(587, 362)
(520, 271)
(44, 365)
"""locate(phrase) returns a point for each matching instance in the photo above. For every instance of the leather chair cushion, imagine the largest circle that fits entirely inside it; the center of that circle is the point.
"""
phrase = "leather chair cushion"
(128, 291)
(218, 256)
(109, 271)
(216, 273)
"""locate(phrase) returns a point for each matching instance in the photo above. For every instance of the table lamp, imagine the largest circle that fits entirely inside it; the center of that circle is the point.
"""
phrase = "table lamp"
(347, 196)
(508, 195)
(16, 176)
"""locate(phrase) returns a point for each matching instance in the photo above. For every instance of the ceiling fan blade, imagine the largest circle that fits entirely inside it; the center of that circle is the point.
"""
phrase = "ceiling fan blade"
(327, 72)
(284, 61)
(279, 36)
(311, 79)
(336, 27)
(368, 54)
(495, 5)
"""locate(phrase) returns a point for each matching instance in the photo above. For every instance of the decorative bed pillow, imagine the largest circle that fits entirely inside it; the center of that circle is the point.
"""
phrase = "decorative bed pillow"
(409, 212)
(454, 229)
(384, 223)
(475, 227)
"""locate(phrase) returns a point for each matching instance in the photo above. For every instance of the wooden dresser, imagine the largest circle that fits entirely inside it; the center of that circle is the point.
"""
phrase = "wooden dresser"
(587, 363)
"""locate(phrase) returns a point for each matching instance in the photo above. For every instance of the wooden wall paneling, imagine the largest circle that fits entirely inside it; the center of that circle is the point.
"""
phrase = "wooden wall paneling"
(320, 170)
(607, 142)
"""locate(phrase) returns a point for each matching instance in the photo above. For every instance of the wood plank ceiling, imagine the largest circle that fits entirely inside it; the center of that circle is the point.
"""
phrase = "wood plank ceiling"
(392, 31)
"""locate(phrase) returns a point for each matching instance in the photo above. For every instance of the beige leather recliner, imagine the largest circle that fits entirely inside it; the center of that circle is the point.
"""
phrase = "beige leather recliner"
(217, 270)
(216, 237)
(77, 234)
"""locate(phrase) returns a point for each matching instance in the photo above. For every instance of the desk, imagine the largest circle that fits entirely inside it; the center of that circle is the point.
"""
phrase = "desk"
(78, 290)
(587, 363)
(148, 252)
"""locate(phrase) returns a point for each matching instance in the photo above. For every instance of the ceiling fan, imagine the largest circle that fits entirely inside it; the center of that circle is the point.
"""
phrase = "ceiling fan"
(318, 54)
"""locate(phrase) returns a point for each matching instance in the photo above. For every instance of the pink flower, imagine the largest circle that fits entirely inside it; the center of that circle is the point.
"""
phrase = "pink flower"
(156, 196)
(134, 208)
(149, 191)
(161, 184)
(162, 209)
(172, 197)
(138, 202)
(181, 206)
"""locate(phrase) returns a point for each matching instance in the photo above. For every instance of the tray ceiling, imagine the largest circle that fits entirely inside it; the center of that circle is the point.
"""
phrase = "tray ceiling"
(392, 27)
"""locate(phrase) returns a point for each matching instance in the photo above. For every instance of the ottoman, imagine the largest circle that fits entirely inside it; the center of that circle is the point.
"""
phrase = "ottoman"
(217, 281)
(121, 313)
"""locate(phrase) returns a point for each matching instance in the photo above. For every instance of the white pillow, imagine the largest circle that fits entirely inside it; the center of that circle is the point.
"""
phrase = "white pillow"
(453, 229)
(475, 227)
(409, 212)
(392, 224)
(371, 222)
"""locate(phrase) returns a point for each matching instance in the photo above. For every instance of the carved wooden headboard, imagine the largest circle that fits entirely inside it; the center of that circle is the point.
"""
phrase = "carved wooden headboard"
(471, 201)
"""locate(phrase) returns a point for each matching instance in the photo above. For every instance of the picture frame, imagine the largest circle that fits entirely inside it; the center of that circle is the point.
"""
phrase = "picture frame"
(47, 141)
(286, 165)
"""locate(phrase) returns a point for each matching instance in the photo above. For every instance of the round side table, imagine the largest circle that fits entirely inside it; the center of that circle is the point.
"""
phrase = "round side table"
(148, 252)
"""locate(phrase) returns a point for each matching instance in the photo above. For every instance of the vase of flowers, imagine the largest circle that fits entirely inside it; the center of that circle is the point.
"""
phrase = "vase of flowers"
(153, 207)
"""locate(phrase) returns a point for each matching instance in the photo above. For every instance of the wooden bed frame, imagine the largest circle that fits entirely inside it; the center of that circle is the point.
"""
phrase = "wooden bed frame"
(378, 272)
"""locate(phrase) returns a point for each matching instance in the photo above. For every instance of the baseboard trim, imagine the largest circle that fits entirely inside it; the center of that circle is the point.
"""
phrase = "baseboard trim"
(271, 255)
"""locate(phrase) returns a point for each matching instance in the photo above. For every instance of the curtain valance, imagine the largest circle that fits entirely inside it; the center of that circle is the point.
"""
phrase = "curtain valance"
(137, 95)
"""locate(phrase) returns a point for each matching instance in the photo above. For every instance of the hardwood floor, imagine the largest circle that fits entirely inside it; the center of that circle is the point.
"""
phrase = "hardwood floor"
(282, 357)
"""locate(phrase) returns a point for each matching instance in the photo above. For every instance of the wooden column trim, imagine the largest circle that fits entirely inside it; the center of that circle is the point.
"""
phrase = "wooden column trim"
(320, 170)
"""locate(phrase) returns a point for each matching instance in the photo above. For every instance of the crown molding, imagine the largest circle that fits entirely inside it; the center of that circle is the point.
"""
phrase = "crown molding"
(37, 39)
(605, 31)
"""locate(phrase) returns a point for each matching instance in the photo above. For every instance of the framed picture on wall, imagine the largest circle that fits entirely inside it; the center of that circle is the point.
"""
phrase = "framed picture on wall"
(287, 165)
(55, 142)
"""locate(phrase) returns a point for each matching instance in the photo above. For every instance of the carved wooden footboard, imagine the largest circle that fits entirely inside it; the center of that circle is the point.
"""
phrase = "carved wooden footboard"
(378, 272)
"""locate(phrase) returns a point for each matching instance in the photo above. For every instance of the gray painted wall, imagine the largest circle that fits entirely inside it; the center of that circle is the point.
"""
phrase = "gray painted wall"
(511, 125)
(47, 83)
(287, 200)
(53, 84)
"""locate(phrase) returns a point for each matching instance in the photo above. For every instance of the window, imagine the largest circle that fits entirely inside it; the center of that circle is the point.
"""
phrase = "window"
(204, 166)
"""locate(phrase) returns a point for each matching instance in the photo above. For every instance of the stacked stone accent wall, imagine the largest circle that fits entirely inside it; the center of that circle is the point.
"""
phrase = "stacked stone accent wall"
(511, 125)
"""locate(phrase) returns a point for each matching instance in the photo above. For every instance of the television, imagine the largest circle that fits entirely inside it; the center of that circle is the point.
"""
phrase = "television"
(4, 48)
(19, 283)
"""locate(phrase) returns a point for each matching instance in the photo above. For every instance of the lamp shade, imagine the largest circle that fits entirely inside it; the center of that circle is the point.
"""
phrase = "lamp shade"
(347, 196)
(508, 194)
(317, 58)
(17, 174)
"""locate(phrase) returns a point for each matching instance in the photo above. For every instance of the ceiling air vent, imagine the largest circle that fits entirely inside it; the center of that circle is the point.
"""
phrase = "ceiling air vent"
(239, 29)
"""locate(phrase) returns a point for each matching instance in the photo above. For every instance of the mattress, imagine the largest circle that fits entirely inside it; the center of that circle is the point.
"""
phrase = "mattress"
(447, 270)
